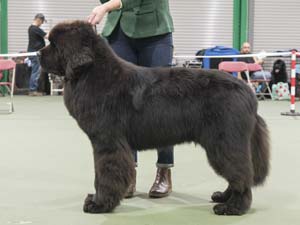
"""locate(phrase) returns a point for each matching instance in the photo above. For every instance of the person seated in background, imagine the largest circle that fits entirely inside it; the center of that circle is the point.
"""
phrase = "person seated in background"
(246, 49)
(258, 86)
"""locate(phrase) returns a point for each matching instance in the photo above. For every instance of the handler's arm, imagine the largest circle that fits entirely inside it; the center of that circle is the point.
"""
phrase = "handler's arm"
(109, 5)
(100, 11)
(124, 4)
(129, 4)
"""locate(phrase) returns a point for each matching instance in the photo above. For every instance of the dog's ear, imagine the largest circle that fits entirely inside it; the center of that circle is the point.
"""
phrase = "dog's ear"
(78, 62)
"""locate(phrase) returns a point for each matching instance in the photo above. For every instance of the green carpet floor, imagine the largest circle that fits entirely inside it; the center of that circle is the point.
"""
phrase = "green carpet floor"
(46, 170)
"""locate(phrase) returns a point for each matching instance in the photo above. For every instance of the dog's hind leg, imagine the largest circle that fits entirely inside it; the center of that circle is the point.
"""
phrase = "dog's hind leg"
(233, 162)
(114, 171)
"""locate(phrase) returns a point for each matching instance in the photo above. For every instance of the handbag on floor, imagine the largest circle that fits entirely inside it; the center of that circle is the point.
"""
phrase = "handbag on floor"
(280, 91)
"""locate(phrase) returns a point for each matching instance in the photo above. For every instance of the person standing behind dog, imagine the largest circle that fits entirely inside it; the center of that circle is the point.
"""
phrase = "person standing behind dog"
(140, 31)
(36, 37)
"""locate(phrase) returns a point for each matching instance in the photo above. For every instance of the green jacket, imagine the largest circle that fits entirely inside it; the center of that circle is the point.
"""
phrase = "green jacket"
(140, 18)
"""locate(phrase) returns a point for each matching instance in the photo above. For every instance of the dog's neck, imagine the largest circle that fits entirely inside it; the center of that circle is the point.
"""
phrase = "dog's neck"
(107, 62)
(104, 53)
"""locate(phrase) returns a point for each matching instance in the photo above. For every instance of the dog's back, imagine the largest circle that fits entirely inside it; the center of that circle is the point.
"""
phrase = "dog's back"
(192, 97)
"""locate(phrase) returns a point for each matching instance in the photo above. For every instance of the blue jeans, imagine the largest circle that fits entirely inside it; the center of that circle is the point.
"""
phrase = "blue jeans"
(149, 52)
(35, 73)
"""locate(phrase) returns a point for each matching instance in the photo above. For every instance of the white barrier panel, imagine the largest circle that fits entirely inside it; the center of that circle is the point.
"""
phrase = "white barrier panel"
(260, 55)
(18, 54)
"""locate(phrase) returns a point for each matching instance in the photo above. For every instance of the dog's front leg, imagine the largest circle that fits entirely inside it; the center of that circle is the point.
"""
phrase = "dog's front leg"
(114, 171)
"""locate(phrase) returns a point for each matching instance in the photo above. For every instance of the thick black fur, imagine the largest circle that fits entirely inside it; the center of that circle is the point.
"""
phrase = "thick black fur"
(279, 72)
(122, 106)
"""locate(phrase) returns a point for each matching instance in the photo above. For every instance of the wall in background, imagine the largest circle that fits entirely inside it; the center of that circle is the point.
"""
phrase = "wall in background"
(198, 24)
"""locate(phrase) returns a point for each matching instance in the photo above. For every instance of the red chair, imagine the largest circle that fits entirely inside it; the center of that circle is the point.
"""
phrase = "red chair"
(8, 65)
(254, 67)
(231, 67)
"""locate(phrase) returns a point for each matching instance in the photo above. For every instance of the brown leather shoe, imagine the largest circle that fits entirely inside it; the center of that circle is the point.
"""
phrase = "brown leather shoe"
(131, 188)
(162, 185)
(35, 93)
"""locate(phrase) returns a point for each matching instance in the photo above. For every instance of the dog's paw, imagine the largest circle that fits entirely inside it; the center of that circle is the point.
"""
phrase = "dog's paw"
(91, 207)
(220, 197)
(226, 209)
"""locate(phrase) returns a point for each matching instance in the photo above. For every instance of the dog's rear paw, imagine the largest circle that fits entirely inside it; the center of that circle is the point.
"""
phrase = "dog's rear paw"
(226, 209)
(91, 207)
(220, 197)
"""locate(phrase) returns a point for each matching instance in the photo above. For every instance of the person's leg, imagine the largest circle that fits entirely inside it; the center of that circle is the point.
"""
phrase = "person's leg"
(121, 45)
(162, 185)
(43, 83)
(165, 157)
(156, 52)
(35, 73)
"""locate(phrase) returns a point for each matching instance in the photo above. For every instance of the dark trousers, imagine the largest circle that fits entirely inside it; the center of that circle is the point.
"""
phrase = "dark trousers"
(35, 73)
(149, 52)
(44, 83)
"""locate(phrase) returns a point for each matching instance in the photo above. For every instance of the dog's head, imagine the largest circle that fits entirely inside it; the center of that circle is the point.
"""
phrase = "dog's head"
(71, 49)
(279, 66)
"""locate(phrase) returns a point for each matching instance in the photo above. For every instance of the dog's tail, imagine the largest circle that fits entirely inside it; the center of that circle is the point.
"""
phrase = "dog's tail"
(260, 149)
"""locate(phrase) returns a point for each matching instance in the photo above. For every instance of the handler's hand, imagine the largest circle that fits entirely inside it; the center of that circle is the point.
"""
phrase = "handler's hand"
(97, 14)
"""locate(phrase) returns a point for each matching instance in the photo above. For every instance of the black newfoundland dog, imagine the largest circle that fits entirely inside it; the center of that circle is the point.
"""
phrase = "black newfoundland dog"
(122, 106)
(279, 73)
